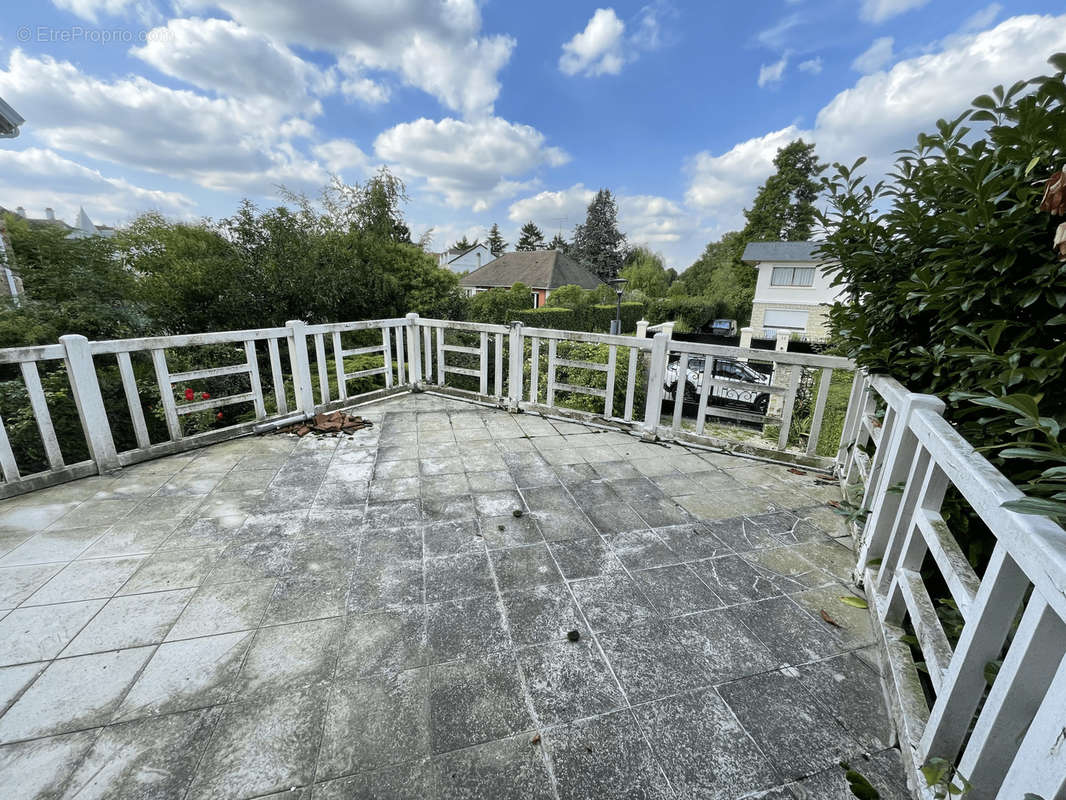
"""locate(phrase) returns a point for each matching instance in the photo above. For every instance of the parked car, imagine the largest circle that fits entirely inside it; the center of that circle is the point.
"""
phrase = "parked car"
(725, 369)
(724, 327)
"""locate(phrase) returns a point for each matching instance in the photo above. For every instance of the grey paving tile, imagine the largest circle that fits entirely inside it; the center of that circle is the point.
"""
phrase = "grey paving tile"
(104, 513)
(641, 549)
(184, 675)
(584, 558)
(14, 679)
(490, 481)
(541, 613)
(653, 660)
(389, 640)
(150, 759)
(605, 757)
(376, 585)
(522, 567)
(131, 621)
(612, 601)
(40, 632)
(384, 545)
(415, 780)
(796, 734)
(742, 535)
(788, 631)
(855, 628)
(222, 608)
(18, 583)
(735, 580)
(171, 569)
(37, 769)
(883, 770)
(437, 509)
(692, 542)
(460, 575)
(474, 701)
(568, 680)
(392, 513)
(50, 546)
(283, 656)
(261, 746)
(703, 749)
(375, 722)
(440, 487)
(498, 504)
(296, 598)
(72, 694)
(849, 689)
(451, 537)
(728, 648)
(506, 769)
(675, 590)
(131, 537)
(466, 627)
(86, 580)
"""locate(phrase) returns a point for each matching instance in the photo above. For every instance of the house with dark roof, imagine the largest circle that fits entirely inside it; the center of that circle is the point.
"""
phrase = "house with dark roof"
(541, 270)
(793, 292)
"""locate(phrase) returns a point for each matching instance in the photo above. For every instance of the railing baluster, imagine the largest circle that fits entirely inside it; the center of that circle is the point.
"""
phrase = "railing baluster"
(276, 376)
(7, 457)
(705, 389)
(81, 371)
(631, 385)
(301, 366)
(338, 356)
(819, 411)
(483, 364)
(386, 348)
(679, 391)
(653, 410)
(323, 370)
(498, 364)
(440, 357)
(608, 401)
(414, 352)
(40, 412)
(794, 373)
(253, 378)
(166, 394)
(551, 373)
(427, 354)
(133, 399)
(401, 372)
(534, 370)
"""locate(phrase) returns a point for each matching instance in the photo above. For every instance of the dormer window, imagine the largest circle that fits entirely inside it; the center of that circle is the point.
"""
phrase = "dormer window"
(792, 276)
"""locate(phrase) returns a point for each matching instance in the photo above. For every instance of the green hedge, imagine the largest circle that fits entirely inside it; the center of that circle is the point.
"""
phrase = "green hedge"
(596, 318)
(695, 312)
(548, 317)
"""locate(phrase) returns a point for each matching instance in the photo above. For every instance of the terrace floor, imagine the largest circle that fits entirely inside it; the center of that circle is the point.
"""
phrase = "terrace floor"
(386, 616)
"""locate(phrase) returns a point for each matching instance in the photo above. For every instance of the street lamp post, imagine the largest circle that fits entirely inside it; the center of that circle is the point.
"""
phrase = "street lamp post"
(619, 285)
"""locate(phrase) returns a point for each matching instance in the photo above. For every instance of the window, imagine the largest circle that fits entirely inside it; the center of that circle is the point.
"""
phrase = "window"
(536, 299)
(786, 320)
(792, 276)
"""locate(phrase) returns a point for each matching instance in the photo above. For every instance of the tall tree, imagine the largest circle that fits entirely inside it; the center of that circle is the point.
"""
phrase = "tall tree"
(495, 241)
(531, 239)
(783, 209)
(559, 243)
(465, 244)
(646, 273)
(598, 243)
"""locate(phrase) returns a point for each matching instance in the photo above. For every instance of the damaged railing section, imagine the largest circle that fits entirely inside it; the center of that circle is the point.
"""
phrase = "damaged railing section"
(1004, 735)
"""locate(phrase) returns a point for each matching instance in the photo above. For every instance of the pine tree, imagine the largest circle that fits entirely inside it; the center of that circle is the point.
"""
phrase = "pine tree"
(531, 239)
(559, 243)
(783, 209)
(495, 241)
(598, 243)
(464, 244)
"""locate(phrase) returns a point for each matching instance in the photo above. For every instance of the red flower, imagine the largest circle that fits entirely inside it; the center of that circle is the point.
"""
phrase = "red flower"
(205, 396)
(219, 415)
(189, 394)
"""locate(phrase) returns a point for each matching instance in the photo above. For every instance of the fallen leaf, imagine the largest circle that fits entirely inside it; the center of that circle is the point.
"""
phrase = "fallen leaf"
(854, 602)
(830, 620)
(535, 739)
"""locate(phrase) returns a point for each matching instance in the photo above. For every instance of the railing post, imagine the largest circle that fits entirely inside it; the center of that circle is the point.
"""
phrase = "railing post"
(89, 401)
(642, 329)
(301, 366)
(414, 353)
(781, 341)
(516, 356)
(656, 382)
(900, 448)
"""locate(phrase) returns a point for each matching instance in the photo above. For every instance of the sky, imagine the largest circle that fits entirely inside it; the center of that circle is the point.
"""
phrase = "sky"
(490, 110)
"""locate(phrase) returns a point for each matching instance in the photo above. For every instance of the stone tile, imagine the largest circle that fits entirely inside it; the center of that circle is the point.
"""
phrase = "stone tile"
(441, 466)
(223, 608)
(38, 768)
(86, 580)
(375, 722)
(653, 659)
(261, 746)
(702, 747)
(574, 474)
(612, 601)
(438, 509)
(407, 468)
(833, 558)
(392, 513)
(151, 758)
(188, 674)
(568, 680)
(735, 580)
(460, 575)
(486, 482)
(172, 569)
(883, 770)
(102, 513)
(442, 487)
(796, 734)
(523, 567)
(641, 549)
(855, 628)
(675, 590)
(541, 613)
(131, 621)
(475, 701)
(72, 694)
(605, 758)
(464, 628)
(788, 631)
(129, 538)
(297, 598)
(616, 470)
(584, 558)
(53, 545)
(509, 531)
(376, 585)
(382, 546)
(41, 632)
(283, 656)
(498, 504)
(415, 780)
(14, 679)
(692, 542)
(728, 649)
(18, 583)
(451, 537)
(389, 640)
(507, 769)
(391, 489)
(530, 470)
(849, 689)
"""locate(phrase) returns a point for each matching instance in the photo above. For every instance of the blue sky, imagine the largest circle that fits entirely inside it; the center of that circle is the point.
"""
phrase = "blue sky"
(491, 111)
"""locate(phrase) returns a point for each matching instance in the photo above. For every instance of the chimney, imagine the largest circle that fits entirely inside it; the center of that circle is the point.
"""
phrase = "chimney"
(50, 213)
(21, 212)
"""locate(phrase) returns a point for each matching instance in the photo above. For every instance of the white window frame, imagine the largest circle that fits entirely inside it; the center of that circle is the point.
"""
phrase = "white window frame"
(792, 276)
(536, 299)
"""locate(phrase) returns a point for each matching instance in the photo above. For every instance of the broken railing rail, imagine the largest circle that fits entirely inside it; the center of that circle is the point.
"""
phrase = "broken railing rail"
(1008, 739)
(308, 370)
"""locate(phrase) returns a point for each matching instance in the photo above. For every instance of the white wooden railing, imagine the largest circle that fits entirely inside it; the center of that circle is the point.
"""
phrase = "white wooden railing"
(1008, 739)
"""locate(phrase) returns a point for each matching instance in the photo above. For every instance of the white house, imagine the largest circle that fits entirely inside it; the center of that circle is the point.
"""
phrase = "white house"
(460, 260)
(793, 291)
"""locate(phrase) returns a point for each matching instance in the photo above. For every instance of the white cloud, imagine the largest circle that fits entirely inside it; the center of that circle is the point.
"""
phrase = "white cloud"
(651, 32)
(772, 73)
(468, 163)
(561, 209)
(597, 50)
(341, 154)
(776, 36)
(433, 45)
(92, 9)
(811, 65)
(982, 19)
(876, 56)
(653, 220)
(219, 143)
(38, 178)
(880, 10)
(222, 56)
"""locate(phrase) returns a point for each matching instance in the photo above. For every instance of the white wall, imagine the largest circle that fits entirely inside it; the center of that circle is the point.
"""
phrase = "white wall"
(816, 294)
(470, 260)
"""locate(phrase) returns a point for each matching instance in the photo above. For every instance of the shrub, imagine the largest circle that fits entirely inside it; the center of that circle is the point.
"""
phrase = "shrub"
(548, 317)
